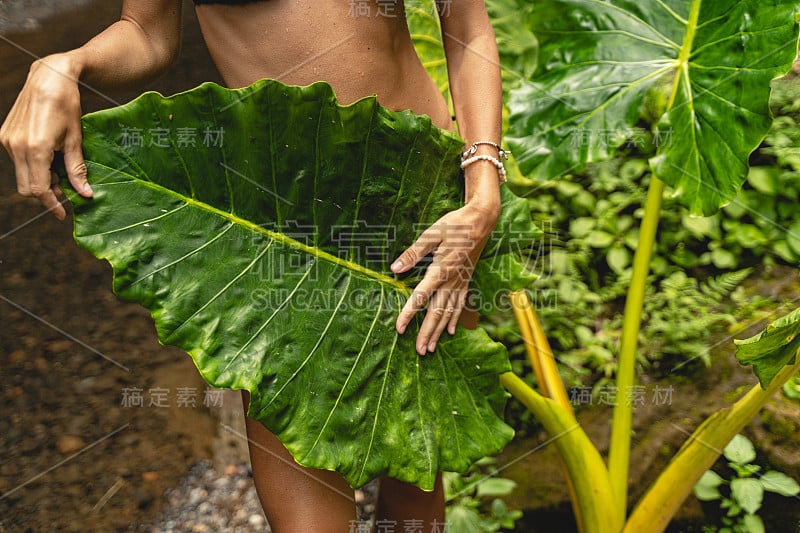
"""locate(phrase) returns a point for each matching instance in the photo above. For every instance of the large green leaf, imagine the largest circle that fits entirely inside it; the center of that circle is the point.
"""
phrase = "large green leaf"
(699, 72)
(516, 42)
(426, 34)
(257, 225)
(772, 349)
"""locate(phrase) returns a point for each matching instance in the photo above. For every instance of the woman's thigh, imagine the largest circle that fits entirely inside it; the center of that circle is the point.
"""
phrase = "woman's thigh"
(295, 498)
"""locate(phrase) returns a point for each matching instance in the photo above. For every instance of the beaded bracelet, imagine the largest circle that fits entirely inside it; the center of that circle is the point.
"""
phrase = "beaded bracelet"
(474, 148)
(501, 170)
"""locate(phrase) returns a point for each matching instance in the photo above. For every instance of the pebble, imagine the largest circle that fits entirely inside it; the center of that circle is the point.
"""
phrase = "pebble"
(68, 444)
(225, 502)
(240, 515)
(196, 495)
(257, 520)
(210, 501)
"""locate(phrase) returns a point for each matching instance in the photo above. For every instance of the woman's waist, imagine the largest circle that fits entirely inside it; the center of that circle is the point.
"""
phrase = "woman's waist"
(354, 72)
(302, 42)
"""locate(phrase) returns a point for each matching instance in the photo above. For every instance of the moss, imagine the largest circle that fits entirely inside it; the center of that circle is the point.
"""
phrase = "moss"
(781, 426)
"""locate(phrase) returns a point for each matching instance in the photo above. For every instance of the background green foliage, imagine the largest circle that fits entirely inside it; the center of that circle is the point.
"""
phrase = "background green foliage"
(591, 222)
(741, 496)
(474, 499)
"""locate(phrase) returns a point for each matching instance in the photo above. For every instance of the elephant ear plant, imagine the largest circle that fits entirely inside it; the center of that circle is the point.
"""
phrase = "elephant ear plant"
(688, 80)
(257, 225)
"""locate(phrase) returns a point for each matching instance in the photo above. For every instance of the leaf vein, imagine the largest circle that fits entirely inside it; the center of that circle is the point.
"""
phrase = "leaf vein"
(188, 254)
(380, 398)
(225, 288)
(140, 223)
(350, 374)
(316, 346)
(278, 309)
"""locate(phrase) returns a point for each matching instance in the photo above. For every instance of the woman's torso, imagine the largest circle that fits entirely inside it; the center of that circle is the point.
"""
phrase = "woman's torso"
(360, 47)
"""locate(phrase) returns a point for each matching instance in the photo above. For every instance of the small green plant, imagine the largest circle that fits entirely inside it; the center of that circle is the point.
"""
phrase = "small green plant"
(745, 491)
(791, 389)
(474, 501)
(591, 221)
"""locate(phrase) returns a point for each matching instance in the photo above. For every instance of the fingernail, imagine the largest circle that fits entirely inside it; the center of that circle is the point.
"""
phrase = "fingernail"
(87, 189)
(397, 265)
(401, 329)
(431, 346)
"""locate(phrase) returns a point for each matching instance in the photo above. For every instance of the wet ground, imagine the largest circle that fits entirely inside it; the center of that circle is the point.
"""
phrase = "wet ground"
(100, 425)
(98, 419)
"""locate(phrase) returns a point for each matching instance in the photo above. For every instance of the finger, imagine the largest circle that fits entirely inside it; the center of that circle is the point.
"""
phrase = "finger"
(416, 302)
(440, 324)
(459, 309)
(50, 201)
(75, 165)
(38, 182)
(424, 245)
(55, 186)
(436, 317)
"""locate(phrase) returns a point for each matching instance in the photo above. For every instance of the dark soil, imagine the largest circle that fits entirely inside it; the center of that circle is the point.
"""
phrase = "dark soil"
(76, 455)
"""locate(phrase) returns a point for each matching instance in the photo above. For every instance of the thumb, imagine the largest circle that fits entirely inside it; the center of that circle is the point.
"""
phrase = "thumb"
(75, 165)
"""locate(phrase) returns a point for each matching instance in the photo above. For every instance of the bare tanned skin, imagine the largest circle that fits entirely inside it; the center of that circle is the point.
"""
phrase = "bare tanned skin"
(358, 55)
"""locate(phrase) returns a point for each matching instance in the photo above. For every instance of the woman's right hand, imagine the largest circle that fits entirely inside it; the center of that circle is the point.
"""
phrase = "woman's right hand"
(45, 118)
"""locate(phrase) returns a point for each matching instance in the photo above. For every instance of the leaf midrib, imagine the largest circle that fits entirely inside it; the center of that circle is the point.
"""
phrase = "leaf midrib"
(280, 237)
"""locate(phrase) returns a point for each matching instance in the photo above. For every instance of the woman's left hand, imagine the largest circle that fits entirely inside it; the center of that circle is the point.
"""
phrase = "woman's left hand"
(456, 240)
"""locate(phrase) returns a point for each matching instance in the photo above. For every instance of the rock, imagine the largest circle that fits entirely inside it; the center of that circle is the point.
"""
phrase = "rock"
(240, 516)
(69, 444)
(16, 356)
(60, 346)
(197, 495)
(256, 520)
(85, 384)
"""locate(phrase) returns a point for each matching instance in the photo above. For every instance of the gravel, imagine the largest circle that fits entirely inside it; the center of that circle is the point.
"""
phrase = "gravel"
(225, 502)
(209, 501)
